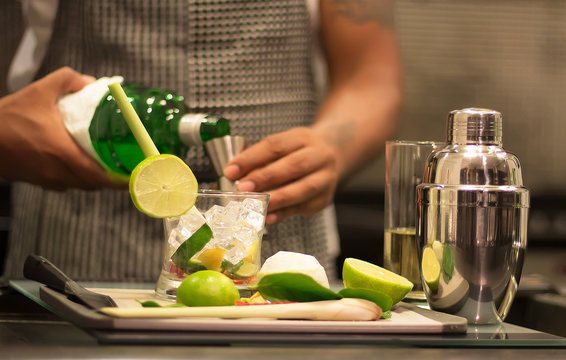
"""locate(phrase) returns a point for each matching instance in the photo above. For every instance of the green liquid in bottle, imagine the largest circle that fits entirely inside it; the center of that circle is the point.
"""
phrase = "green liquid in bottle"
(160, 112)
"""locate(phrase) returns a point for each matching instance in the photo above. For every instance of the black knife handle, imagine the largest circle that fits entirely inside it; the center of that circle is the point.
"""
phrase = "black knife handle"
(40, 269)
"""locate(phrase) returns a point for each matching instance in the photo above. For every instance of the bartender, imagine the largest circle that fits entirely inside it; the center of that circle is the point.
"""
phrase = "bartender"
(256, 63)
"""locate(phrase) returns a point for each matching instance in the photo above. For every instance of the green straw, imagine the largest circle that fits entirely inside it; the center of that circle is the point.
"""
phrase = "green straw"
(133, 120)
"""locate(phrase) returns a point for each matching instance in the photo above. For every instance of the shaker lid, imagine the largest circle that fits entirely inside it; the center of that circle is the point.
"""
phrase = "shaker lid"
(473, 196)
(475, 126)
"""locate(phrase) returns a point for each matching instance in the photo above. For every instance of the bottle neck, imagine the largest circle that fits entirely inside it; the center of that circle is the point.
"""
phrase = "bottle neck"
(189, 129)
(195, 129)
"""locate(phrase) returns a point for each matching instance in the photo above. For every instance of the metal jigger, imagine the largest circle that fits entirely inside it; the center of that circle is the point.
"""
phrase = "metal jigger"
(220, 151)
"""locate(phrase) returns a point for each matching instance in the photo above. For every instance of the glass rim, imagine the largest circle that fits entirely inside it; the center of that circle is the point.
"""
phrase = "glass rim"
(232, 194)
(414, 142)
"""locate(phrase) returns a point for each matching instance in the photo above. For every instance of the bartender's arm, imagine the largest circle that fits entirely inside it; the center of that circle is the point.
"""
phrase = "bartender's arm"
(301, 168)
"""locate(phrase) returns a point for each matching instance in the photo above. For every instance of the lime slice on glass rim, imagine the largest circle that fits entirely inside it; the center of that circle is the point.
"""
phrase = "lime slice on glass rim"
(163, 186)
(362, 274)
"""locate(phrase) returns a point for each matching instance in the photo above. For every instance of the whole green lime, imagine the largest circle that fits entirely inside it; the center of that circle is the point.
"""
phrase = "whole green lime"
(207, 288)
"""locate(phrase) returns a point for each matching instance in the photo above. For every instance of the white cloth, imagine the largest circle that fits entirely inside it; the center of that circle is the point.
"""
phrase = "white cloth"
(77, 110)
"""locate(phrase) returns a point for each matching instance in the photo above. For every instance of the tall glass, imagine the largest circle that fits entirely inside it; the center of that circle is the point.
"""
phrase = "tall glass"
(404, 169)
(222, 232)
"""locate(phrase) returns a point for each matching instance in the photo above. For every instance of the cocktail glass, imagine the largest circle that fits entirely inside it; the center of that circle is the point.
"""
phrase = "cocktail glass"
(222, 232)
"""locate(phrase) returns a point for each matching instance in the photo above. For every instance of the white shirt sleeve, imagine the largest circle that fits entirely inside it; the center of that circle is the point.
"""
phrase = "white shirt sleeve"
(39, 16)
(319, 65)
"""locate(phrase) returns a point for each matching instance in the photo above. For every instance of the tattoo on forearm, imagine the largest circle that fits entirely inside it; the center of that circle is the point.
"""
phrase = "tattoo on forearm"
(342, 134)
(364, 11)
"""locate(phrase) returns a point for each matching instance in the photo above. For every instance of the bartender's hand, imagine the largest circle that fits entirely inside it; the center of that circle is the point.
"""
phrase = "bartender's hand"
(297, 167)
(35, 147)
(300, 168)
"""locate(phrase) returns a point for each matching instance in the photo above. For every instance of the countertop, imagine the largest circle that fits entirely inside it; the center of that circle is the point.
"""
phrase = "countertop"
(29, 331)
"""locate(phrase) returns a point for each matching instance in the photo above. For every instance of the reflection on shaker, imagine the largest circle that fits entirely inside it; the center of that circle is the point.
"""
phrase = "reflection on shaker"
(451, 293)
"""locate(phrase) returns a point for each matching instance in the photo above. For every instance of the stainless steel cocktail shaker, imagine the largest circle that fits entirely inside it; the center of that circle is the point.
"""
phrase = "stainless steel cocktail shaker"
(472, 211)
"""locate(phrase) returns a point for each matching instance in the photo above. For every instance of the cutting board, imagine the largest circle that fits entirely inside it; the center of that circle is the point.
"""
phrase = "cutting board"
(405, 319)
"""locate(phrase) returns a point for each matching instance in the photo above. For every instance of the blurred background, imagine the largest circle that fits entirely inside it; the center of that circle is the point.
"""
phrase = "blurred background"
(504, 55)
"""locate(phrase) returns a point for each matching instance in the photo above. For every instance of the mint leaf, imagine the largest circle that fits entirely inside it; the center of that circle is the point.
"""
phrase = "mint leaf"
(386, 314)
(447, 262)
(289, 286)
(182, 256)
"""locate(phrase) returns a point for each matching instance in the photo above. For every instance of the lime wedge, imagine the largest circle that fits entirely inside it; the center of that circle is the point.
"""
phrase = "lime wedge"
(430, 269)
(246, 270)
(362, 274)
(252, 250)
(163, 186)
(380, 299)
(212, 258)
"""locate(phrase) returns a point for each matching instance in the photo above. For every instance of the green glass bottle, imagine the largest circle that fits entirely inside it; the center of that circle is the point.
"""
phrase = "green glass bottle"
(167, 119)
